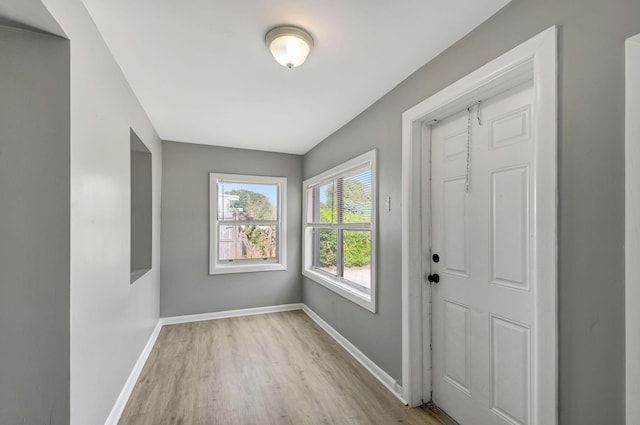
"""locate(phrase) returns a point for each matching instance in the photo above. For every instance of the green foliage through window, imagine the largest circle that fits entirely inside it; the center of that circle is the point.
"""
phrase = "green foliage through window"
(357, 248)
(340, 229)
(349, 199)
(253, 205)
(246, 204)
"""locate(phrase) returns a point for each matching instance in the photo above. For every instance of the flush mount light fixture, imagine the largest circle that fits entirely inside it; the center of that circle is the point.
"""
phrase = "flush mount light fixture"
(289, 45)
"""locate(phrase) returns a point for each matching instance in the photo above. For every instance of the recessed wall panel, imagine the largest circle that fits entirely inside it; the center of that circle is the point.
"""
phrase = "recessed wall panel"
(141, 207)
(509, 237)
(510, 371)
(456, 345)
(455, 231)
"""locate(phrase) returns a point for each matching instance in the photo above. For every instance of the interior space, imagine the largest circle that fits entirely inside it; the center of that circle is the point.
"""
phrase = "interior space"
(338, 212)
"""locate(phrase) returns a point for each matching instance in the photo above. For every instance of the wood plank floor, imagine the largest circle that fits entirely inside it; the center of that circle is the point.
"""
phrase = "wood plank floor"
(278, 368)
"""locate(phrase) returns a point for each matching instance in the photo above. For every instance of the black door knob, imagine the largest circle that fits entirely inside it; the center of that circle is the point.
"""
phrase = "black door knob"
(433, 278)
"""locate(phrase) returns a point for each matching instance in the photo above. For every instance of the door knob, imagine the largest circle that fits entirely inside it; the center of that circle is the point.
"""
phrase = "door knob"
(433, 278)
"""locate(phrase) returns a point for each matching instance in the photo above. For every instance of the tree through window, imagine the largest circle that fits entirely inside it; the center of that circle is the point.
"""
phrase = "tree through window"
(247, 227)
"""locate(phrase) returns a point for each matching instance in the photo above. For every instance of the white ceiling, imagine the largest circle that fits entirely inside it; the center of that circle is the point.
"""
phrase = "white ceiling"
(30, 14)
(204, 75)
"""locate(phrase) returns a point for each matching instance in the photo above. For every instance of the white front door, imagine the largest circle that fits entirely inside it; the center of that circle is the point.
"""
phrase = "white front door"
(483, 308)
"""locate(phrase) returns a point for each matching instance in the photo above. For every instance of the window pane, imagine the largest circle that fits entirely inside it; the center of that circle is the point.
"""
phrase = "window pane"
(357, 256)
(237, 242)
(247, 201)
(325, 248)
(326, 198)
(355, 192)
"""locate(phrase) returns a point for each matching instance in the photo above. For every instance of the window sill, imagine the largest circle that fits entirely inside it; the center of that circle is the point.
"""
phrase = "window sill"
(360, 298)
(247, 268)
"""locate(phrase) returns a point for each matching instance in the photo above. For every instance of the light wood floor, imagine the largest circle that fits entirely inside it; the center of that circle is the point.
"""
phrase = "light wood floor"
(278, 368)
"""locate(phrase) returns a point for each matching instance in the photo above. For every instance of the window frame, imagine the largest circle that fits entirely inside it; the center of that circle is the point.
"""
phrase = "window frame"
(247, 265)
(339, 285)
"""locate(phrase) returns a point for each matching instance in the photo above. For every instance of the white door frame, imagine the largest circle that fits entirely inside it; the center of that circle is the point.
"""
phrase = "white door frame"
(632, 228)
(534, 60)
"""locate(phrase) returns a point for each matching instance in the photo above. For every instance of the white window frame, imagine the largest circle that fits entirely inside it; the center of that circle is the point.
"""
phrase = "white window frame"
(247, 265)
(336, 284)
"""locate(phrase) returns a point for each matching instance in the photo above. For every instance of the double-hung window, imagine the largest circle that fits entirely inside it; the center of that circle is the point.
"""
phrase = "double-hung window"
(247, 229)
(339, 229)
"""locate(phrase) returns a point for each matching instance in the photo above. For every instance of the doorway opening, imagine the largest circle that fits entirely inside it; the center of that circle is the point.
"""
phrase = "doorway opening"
(531, 64)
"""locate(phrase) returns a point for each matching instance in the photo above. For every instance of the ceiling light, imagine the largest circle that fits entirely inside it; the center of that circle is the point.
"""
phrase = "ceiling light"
(289, 45)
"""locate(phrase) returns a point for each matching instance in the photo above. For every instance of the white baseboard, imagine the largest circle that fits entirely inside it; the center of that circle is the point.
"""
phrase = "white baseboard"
(122, 399)
(382, 376)
(229, 313)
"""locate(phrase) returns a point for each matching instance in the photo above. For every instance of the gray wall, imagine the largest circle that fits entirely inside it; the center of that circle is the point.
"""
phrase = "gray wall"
(591, 194)
(34, 228)
(111, 320)
(186, 287)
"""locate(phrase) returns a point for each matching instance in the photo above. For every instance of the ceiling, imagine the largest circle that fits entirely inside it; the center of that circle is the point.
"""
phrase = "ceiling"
(28, 14)
(203, 74)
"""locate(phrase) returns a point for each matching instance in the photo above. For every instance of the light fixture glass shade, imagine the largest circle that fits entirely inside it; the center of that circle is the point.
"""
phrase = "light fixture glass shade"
(289, 45)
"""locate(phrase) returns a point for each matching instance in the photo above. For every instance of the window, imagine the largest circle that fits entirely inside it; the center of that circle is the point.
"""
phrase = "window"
(339, 229)
(247, 223)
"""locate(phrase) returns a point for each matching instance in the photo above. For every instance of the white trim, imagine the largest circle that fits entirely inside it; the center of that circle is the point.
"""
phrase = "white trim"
(534, 60)
(123, 397)
(632, 229)
(229, 313)
(363, 299)
(382, 376)
(247, 266)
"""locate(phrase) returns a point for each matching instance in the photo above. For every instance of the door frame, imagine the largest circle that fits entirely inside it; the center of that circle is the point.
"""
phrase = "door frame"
(632, 227)
(534, 60)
